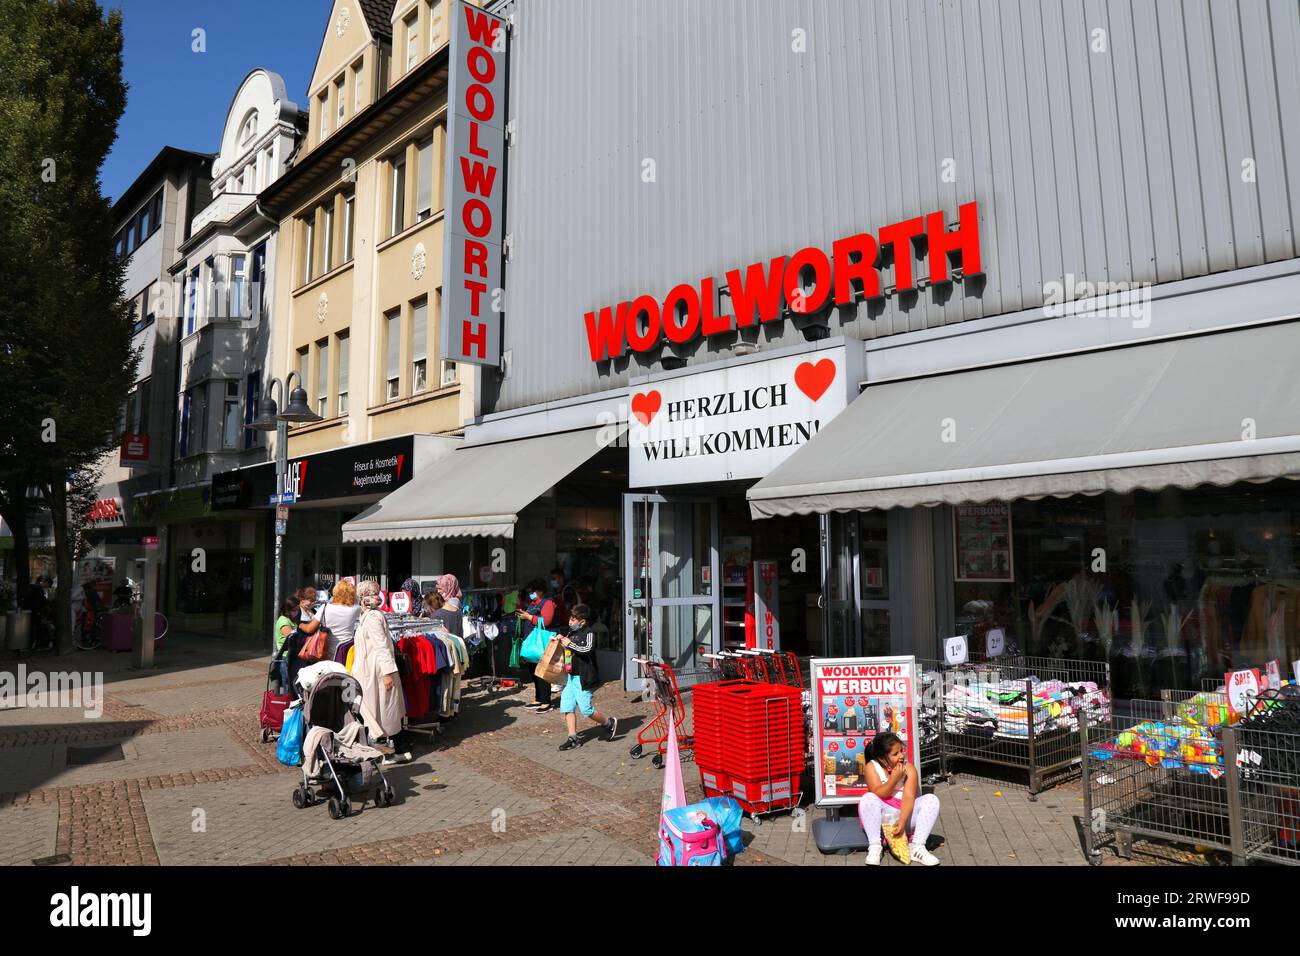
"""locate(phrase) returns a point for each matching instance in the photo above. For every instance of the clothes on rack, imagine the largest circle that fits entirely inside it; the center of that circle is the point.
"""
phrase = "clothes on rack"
(1001, 709)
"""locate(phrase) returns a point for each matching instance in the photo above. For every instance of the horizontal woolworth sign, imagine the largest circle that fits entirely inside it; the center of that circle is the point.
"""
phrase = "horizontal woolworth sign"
(804, 283)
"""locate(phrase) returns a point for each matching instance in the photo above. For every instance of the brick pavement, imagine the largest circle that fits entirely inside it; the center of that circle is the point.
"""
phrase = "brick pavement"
(195, 785)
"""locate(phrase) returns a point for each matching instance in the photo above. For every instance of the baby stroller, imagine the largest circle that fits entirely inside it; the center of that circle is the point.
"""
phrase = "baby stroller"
(340, 759)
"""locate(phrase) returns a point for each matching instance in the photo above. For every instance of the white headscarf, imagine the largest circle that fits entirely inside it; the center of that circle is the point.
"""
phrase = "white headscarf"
(368, 595)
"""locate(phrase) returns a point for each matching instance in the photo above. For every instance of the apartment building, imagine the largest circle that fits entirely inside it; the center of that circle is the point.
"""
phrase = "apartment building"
(154, 215)
(221, 279)
(358, 283)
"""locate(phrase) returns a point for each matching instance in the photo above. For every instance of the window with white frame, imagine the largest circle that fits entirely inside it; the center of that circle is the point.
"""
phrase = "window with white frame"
(327, 261)
(192, 301)
(308, 247)
(341, 101)
(248, 129)
(230, 423)
(344, 343)
(424, 180)
(358, 86)
(398, 193)
(323, 111)
(301, 382)
(419, 346)
(435, 24)
(412, 39)
(252, 395)
(349, 208)
(239, 306)
(323, 378)
(393, 340)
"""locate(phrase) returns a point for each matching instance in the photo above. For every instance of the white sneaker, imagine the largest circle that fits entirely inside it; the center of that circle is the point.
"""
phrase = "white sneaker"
(923, 856)
(396, 758)
(873, 854)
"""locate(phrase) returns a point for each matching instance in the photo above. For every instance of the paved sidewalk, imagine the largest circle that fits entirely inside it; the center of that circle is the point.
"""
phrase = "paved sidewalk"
(174, 772)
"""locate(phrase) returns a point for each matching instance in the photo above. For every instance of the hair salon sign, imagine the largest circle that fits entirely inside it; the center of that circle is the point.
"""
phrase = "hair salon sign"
(737, 422)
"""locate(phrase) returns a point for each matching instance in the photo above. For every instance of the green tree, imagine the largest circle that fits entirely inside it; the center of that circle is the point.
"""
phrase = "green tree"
(66, 359)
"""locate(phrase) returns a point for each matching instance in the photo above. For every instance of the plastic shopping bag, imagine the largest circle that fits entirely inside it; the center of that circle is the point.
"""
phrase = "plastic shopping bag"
(535, 644)
(289, 750)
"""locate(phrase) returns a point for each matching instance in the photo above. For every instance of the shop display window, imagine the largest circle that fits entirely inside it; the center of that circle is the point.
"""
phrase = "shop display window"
(1169, 587)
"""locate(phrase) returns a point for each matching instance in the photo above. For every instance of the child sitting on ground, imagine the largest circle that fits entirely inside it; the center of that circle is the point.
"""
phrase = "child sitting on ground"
(580, 666)
(895, 806)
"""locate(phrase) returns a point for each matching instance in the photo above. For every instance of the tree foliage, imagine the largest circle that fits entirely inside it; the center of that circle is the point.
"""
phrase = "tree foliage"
(66, 358)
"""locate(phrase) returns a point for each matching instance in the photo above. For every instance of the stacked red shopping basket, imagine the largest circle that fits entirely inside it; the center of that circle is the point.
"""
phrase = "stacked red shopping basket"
(749, 743)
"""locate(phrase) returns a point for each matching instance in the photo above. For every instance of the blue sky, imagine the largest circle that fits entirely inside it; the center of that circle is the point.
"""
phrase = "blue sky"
(178, 97)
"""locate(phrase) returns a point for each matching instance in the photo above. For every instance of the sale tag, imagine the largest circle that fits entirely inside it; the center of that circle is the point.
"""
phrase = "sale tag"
(401, 601)
(955, 649)
(995, 642)
(1243, 690)
(1274, 671)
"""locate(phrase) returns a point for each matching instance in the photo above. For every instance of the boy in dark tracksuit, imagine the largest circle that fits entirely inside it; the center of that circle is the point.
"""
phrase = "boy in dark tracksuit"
(580, 663)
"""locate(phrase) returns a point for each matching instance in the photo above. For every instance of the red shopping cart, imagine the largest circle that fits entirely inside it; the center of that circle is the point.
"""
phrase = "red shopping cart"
(672, 686)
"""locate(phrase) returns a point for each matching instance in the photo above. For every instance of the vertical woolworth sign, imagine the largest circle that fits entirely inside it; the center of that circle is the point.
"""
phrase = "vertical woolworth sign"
(476, 149)
(854, 699)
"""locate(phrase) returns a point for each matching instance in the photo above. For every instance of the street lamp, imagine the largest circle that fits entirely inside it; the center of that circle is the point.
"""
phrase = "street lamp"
(270, 418)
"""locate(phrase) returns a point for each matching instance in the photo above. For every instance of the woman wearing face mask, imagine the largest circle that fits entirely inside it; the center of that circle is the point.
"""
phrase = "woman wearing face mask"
(382, 703)
(539, 609)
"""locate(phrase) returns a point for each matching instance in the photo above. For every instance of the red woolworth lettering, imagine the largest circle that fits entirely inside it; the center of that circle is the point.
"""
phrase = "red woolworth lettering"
(900, 236)
(481, 65)
(478, 177)
(482, 28)
(821, 266)
(475, 259)
(606, 332)
(640, 341)
(476, 218)
(473, 338)
(855, 277)
(687, 296)
(757, 289)
(710, 322)
(479, 102)
(964, 241)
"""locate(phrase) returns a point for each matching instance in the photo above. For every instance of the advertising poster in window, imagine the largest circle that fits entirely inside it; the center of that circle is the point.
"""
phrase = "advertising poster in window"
(982, 542)
(854, 700)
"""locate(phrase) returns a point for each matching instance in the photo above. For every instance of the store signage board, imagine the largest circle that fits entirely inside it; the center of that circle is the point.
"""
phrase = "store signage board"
(1243, 689)
(806, 282)
(475, 188)
(767, 605)
(284, 498)
(956, 649)
(736, 422)
(854, 699)
(134, 451)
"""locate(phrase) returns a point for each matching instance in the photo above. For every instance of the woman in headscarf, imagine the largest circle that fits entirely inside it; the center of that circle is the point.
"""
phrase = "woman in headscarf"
(449, 615)
(383, 705)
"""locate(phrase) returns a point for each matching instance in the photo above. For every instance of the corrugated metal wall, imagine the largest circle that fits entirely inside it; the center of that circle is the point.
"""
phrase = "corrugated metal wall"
(1123, 165)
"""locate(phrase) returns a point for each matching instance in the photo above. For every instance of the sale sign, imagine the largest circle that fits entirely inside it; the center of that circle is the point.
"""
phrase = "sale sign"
(1243, 689)
(856, 700)
(476, 185)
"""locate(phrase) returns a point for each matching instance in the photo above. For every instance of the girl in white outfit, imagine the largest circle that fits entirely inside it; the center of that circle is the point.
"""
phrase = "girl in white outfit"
(894, 798)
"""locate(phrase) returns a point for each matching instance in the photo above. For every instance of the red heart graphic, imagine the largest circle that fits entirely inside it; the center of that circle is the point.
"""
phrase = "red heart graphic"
(646, 406)
(813, 380)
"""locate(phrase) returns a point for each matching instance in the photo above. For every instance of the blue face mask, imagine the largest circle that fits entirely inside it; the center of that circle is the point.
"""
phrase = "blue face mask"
(532, 595)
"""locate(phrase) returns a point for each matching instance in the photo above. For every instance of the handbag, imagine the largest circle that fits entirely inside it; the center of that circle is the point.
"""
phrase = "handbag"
(316, 647)
(534, 645)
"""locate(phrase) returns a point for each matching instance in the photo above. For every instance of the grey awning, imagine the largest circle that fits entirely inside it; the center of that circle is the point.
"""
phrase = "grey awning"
(477, 489)
(1173, 413)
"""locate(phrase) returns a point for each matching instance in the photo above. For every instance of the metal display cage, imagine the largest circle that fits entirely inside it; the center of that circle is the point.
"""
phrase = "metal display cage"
(1235, 789)
(1046, 753)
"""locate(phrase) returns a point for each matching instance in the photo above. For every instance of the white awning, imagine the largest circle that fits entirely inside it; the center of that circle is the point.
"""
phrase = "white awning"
(1211, 409)
(477, 489)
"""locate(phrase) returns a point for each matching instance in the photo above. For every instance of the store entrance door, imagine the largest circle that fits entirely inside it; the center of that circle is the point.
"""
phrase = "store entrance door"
(856, 605)
(670, 550)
